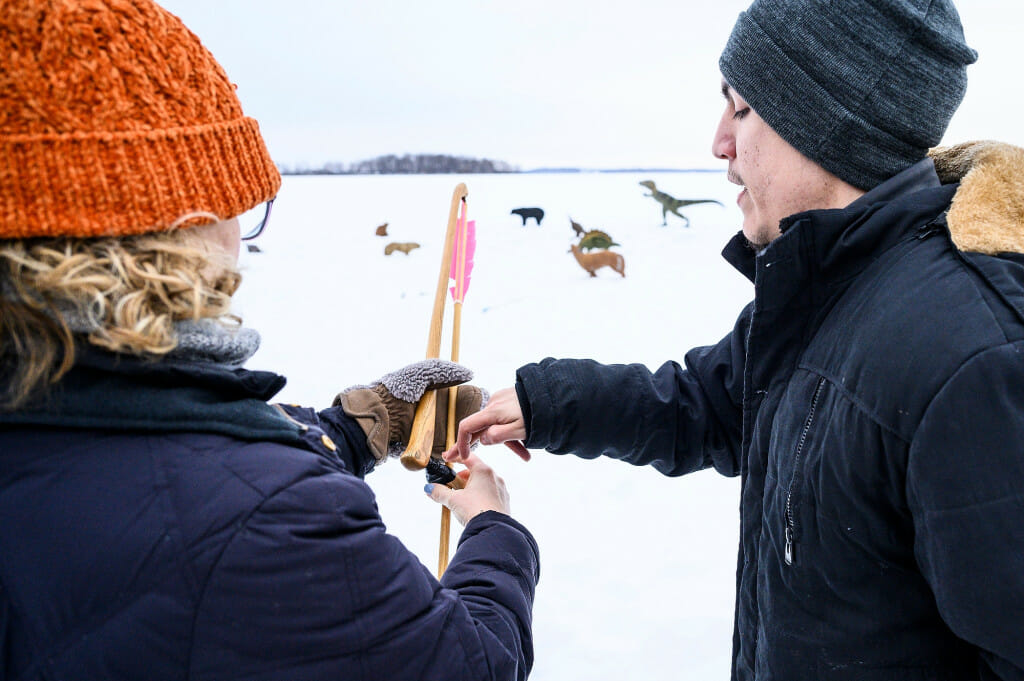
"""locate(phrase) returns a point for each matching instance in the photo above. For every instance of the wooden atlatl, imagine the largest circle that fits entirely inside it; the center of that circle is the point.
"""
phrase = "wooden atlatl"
(421, 438)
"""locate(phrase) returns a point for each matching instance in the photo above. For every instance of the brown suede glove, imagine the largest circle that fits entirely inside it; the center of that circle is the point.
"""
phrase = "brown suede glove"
(385, 409)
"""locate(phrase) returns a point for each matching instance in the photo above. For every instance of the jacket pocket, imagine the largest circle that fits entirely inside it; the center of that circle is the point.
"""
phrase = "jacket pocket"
(789, 514)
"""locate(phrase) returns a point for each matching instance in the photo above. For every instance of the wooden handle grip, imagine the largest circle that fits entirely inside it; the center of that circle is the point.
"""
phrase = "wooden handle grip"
(421, 437)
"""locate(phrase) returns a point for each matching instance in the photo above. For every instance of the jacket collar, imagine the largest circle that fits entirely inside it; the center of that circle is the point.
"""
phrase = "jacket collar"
(232, 382)
(917, 177)
(106, 390)
(839, 244)
(835, 244)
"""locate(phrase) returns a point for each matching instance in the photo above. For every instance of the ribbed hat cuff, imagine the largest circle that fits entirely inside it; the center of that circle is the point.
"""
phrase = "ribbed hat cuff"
(116, 184)
(805, 114)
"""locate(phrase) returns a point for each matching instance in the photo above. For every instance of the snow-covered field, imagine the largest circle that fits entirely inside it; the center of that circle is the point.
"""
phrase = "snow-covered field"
(637, 570)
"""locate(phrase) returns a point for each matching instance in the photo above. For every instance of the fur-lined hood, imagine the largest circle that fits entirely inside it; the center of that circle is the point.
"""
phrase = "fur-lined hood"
(987, 214)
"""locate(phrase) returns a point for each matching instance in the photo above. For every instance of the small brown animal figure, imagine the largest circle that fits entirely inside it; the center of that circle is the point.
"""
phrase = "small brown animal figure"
(577, 227)
(595, 260)
(403, 246)
(382, 230)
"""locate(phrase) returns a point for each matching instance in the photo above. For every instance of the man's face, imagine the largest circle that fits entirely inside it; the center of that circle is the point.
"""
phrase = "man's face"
(777, 180)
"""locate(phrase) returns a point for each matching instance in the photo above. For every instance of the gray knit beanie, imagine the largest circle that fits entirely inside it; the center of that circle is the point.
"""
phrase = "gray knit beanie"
(861, 87)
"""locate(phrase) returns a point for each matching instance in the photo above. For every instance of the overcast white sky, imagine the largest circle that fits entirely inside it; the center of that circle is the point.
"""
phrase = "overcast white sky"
(535, 83)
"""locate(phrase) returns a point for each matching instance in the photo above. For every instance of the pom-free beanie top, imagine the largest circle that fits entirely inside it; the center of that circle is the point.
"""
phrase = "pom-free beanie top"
(115, 120)
(861, 87)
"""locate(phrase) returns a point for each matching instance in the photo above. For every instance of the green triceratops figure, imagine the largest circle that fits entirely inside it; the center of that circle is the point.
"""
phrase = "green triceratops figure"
(595, 238)
(670, 204)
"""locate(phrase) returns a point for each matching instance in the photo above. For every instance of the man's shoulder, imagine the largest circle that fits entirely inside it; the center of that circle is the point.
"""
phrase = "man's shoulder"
(899, 331)
(927, 295)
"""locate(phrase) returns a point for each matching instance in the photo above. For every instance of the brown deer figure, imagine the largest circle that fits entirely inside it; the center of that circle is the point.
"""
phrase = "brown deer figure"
(595, 260)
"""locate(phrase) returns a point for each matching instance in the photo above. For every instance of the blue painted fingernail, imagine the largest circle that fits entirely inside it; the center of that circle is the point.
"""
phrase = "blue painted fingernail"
(428, 488)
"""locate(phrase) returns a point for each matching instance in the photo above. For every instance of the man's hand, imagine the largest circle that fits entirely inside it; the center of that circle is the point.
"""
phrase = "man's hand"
(501, 421)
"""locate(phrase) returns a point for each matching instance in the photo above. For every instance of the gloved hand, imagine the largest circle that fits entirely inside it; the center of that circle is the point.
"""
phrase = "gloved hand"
(385, 409)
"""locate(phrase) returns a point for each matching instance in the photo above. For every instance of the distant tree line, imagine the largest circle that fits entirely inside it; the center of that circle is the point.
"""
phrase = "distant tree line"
(391, 164)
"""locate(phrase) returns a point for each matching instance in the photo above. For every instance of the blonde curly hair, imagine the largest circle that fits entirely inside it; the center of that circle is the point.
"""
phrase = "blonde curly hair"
(123, 294)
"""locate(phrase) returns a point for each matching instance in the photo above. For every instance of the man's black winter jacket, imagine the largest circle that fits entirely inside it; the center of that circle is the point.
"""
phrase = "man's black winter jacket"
(872, 399)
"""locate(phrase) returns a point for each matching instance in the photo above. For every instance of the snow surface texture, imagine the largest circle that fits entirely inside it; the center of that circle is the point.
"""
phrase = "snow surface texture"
(637, 569)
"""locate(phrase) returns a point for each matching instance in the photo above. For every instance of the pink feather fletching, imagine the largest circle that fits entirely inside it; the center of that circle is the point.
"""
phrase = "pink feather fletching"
(462, 258)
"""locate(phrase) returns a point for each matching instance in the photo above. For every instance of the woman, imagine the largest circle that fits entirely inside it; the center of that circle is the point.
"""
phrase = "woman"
(160, 518)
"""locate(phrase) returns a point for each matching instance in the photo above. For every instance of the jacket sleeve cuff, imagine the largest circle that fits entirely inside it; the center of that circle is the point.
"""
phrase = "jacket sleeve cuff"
(528, 393)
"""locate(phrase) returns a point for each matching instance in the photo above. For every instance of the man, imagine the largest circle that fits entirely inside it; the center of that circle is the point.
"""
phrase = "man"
(869, 396)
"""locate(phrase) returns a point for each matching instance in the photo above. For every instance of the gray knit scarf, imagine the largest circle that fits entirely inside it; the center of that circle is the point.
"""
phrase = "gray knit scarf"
(205, 340)
(209, 341)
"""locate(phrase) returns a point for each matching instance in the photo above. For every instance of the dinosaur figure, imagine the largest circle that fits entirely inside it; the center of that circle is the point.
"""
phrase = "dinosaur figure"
(670, 204)
(595, 238)
(591, 238)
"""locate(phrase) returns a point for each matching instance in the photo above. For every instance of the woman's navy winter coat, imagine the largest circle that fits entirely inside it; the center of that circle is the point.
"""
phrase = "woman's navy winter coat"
(161, 521)
(872, 399)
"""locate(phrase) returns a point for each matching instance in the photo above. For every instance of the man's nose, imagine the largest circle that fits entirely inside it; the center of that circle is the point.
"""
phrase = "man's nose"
(723, 145)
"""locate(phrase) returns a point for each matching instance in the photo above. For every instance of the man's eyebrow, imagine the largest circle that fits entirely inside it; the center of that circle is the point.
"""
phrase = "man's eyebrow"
(726, 89)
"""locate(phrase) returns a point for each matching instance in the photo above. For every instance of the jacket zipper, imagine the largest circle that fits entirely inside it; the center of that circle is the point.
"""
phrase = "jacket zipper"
(790, 523)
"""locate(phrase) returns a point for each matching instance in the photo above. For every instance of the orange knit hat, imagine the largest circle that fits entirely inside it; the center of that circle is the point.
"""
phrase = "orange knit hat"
(115, 120)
